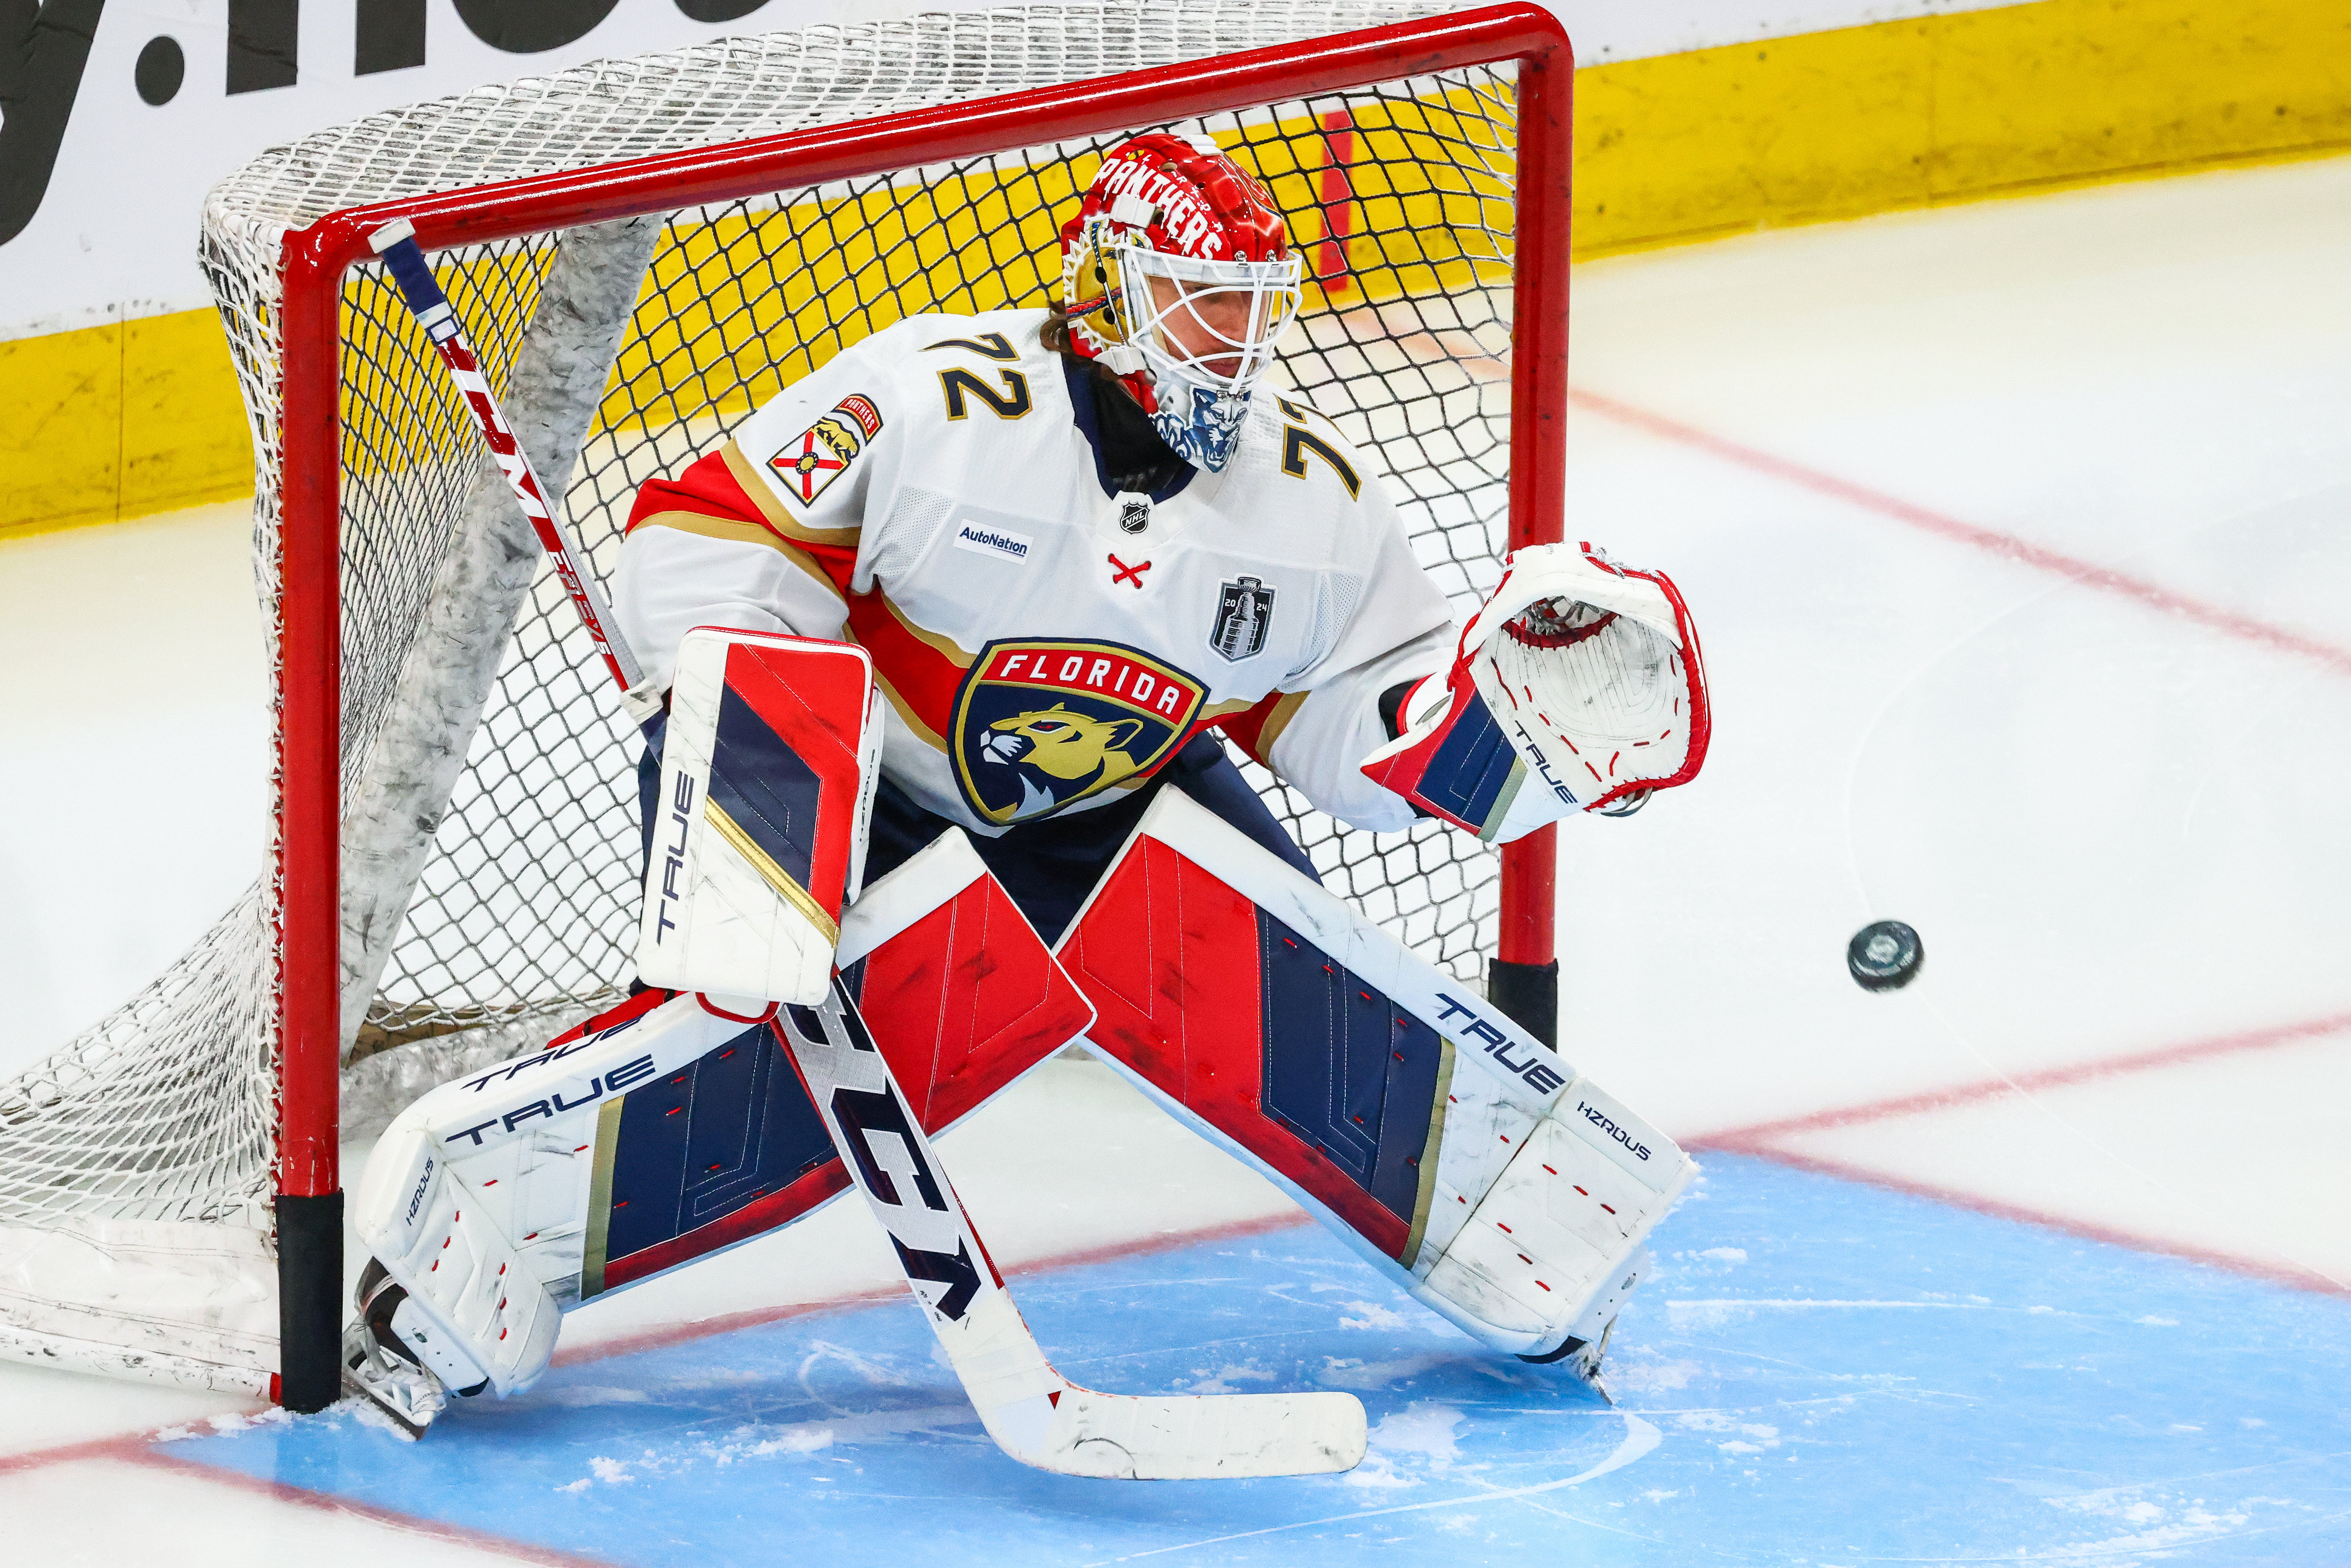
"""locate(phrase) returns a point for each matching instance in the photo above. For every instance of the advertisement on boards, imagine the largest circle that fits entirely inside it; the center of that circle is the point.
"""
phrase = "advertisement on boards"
(117, 116)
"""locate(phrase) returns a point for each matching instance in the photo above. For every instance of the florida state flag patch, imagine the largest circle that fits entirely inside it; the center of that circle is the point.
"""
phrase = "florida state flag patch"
(1040, 725)
(822, 453)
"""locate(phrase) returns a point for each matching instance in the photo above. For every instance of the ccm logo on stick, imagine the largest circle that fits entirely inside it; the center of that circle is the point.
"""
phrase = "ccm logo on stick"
(618, 1079)
(1495, 1044)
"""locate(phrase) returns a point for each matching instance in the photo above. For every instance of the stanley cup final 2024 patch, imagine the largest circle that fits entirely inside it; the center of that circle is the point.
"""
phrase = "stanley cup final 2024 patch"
(1244, 613)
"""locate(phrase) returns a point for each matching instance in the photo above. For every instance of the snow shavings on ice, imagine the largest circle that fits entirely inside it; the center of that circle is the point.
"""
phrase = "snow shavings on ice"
(1368, 1376)
(1747, 1437)
(1689, 1314)
(226, 1425)
(2157, 1527)
(1373, 1316)
(1647, 1373)
(1426, 1433)
(766, 1440)
(1221, 1380)
(591, 1394)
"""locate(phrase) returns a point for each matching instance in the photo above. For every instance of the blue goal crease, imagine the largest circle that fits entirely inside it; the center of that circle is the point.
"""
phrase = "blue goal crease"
(1818, 1373)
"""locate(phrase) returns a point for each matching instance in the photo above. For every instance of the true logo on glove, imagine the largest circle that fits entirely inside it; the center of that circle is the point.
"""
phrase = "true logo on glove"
(1040, 725)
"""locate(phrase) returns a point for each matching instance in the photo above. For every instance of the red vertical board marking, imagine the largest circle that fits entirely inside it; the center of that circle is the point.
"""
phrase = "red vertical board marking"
(1335, 190)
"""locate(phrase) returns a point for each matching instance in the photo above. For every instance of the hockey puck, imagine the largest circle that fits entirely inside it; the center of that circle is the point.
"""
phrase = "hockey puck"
(1884, 955)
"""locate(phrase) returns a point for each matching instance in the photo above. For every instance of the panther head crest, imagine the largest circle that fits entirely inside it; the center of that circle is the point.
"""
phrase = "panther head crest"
(1073, 751)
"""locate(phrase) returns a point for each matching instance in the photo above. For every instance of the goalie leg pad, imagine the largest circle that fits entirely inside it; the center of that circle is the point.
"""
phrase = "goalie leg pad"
(769, 765)
(474, 1314)
(724, 1147)
(672, 1127)
(1477, 1169)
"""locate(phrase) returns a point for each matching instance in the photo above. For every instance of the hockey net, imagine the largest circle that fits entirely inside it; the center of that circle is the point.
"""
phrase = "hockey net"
(472, 707)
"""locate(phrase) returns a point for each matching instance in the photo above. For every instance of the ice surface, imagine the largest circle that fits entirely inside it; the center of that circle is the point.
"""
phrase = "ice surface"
(1818, 1373)
(2095, 764)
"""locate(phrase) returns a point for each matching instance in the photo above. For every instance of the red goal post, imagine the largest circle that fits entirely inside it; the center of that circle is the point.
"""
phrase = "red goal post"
(316, 259)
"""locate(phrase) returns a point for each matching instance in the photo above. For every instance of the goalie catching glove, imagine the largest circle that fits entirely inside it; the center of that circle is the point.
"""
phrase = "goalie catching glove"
(1578, 687)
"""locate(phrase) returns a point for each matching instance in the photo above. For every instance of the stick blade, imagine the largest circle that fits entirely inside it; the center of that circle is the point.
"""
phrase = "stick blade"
(1178, 1437)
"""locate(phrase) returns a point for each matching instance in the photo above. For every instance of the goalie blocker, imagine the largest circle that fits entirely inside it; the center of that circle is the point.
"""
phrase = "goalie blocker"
(767, 796)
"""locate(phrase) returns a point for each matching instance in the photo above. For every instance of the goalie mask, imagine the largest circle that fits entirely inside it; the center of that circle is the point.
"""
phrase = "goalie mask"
(1177, 277)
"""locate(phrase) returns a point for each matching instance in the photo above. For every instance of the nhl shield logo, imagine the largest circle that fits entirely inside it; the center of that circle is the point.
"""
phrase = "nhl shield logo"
(1244, 612)
(1134, 516)
(1040, 725)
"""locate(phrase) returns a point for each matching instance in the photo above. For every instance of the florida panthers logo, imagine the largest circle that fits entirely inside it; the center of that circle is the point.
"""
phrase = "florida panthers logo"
(1040, 725)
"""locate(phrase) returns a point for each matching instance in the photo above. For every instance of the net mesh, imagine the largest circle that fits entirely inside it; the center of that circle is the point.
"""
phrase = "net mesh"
(1399, 196)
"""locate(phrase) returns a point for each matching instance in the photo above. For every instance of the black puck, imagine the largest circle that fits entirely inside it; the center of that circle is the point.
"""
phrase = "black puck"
(1884, 955)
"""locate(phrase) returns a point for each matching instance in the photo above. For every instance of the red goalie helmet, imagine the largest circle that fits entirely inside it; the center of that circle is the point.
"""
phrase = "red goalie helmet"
(1179, 263)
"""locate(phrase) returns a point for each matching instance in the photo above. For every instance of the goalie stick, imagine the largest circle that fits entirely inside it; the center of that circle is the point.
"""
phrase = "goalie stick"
(1034, 1413)
(396, 243)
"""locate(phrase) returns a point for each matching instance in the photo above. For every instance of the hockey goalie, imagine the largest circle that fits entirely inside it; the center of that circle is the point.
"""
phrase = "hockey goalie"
(944, 641)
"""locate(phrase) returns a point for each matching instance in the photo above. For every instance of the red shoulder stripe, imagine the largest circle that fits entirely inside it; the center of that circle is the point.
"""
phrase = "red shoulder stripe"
(709, 489)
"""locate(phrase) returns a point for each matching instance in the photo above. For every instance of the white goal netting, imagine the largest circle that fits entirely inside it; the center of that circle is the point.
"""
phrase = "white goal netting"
(487, 771)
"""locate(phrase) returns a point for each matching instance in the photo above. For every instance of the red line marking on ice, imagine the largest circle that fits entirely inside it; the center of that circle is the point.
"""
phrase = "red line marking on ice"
(332, 1502)
(2047, 1078)
(141, 1449)
(73, 1453)
(759, 1317)
(1762, 1141)
(1942, 525)
(2292, 1276)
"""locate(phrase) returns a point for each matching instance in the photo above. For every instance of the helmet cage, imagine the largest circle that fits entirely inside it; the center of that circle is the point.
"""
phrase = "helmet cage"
(1139, 316)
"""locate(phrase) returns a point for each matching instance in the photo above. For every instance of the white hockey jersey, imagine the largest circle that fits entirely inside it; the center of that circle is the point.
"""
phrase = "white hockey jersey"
(935, 495)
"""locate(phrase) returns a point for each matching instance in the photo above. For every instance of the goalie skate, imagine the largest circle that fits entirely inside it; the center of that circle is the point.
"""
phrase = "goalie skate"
(382, 1369)
(1582, 1351)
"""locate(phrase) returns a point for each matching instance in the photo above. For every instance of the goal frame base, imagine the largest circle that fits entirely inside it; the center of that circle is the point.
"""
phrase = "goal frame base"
(309, 1301)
